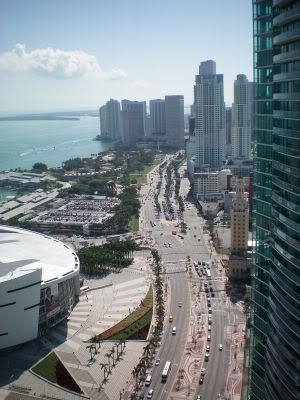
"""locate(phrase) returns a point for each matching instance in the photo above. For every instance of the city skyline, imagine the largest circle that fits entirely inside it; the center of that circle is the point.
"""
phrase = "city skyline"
(57, 58)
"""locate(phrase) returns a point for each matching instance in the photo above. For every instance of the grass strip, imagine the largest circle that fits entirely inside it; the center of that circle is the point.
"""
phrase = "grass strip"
(47, 367)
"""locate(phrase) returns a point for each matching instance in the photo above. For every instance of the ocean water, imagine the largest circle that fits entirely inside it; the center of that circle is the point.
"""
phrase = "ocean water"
(22, 143)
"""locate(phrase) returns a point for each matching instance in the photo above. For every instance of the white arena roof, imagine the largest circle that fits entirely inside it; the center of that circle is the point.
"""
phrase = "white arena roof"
(22, 250)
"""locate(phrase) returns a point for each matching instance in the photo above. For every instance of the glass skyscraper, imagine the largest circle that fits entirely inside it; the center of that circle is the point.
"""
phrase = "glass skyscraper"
(275, 338)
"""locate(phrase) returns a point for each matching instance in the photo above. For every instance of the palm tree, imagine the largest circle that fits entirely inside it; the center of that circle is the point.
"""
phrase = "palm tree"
(112, 353)
(117, 348)
(135, 373)
(91, 348)
(105, 374)
(108, 355)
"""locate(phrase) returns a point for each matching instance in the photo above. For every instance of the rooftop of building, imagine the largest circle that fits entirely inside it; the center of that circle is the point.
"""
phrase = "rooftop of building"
(22, 250)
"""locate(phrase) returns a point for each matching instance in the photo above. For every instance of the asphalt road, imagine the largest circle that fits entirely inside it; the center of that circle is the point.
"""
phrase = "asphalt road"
(172, 346)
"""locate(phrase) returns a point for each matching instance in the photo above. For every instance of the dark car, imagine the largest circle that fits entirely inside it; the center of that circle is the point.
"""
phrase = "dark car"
(201, 380)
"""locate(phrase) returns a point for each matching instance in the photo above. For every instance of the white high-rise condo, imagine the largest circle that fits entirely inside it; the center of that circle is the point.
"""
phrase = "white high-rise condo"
(110, 120)
(241, 119)
(209, 117)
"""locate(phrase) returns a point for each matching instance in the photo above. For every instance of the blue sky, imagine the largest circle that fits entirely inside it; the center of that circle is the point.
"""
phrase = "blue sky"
(73, 54)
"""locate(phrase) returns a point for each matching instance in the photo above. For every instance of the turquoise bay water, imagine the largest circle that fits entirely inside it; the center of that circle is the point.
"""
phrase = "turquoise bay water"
(22, 143)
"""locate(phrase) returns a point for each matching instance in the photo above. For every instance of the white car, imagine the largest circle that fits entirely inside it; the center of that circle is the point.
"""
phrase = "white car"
(209, 328)
(220, 347)
(208, 348)
(157, 361)
(150, 394)
(208, 338)
(210, 310)
(203, 371)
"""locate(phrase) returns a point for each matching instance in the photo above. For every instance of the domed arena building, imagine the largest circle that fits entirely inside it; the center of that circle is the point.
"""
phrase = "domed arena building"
(39, 284)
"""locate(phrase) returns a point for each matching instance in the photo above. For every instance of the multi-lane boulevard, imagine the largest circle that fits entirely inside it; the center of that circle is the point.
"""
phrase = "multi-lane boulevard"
(174, 251)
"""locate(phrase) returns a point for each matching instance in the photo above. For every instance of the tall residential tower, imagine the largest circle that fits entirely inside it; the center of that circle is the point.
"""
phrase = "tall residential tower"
(241, 114)
(174, 109)
(110, 120)
(209, 117)
(275, 340)
(157, 118)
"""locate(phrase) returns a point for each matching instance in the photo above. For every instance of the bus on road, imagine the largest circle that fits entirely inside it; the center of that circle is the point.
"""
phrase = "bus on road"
(208, 273)
(166, 371)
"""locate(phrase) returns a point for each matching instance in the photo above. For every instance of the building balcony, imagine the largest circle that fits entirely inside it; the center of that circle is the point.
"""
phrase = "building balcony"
(287, 56)
(289, 133)
(283, 302)
(286, 76)
(285, 328)
(290, 241)
(282, 382)
(287, 16)
(287, 96)
(287, 37)
(281, 3)
(286, 114)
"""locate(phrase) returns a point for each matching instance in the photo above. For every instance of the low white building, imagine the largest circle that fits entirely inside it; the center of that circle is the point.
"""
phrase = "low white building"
(210, 186)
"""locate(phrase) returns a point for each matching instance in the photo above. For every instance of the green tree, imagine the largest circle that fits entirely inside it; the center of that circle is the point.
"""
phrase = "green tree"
(39, 167)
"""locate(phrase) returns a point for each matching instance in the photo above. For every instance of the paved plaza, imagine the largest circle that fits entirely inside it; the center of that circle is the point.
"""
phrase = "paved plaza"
(104, 304)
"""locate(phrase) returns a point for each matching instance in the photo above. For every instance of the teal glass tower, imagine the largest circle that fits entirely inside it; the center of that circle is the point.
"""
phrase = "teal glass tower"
(275, 337)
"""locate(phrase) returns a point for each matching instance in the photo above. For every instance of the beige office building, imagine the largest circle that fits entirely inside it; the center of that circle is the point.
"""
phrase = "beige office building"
(239, 220)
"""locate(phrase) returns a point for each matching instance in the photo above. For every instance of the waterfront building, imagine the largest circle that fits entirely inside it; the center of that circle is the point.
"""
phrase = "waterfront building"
(174, 110)
(138, 110)
(131, 128)
(275, 333)
(209, 111)
(110, 120)
(241, 114)
(157, 118)
(103, 121)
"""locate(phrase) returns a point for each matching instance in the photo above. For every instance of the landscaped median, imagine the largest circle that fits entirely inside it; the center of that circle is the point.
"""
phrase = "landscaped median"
(134, 326)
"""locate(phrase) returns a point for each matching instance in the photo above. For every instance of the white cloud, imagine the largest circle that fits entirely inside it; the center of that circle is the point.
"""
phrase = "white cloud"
(55, 63)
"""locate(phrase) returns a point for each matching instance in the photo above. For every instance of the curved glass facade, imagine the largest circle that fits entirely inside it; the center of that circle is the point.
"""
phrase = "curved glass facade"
(275, 341)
